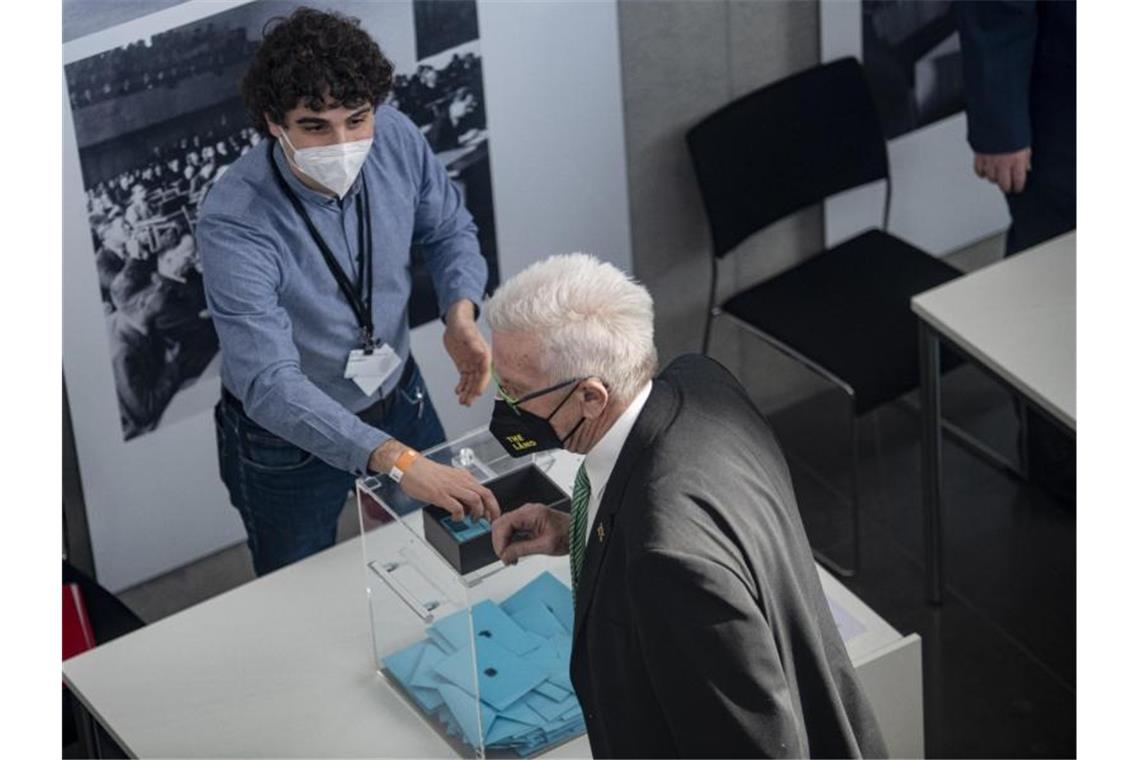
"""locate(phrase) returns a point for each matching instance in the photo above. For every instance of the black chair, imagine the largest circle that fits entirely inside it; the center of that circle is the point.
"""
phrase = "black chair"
(844, 313)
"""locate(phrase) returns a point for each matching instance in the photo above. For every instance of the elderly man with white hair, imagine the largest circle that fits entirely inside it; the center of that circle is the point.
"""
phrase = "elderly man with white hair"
(700, 626)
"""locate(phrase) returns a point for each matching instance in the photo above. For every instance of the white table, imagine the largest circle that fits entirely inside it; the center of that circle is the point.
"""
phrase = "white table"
(282, 667)
(1017, 320)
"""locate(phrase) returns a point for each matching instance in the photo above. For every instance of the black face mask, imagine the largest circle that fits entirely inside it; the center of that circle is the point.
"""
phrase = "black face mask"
(521, 432)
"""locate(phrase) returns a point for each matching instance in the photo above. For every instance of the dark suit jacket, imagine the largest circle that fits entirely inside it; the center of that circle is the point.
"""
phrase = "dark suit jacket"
(1019, 64)
(700, 626)
(144, 380)
(107, 265)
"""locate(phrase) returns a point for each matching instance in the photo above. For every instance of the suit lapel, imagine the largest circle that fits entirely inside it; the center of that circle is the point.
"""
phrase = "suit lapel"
(659, 410)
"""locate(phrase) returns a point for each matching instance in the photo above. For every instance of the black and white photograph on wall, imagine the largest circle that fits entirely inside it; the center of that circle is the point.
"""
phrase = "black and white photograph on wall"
(913, 60)
(444, 24)
(443, 95)
(159, 119)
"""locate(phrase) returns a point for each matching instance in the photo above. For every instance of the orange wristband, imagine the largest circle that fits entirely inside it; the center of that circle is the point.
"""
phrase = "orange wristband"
(403, 462)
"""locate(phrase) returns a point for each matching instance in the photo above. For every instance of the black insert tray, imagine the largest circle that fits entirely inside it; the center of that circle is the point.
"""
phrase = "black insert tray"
(523, 486)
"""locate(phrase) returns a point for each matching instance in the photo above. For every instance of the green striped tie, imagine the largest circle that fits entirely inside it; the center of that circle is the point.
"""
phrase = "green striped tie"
(579, 513)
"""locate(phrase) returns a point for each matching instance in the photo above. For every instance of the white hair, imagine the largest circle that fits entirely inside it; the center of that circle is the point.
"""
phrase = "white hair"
(591, 318)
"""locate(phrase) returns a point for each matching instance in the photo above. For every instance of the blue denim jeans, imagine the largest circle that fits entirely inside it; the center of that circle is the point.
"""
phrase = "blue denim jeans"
(290, 500)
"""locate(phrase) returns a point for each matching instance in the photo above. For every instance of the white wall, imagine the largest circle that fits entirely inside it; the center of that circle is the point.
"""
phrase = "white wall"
(552, 80)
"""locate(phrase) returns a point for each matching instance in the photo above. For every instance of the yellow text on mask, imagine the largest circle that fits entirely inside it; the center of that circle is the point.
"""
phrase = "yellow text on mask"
(521, 443)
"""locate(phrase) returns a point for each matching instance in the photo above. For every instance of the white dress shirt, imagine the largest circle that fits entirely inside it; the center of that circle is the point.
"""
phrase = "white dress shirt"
(602, 458)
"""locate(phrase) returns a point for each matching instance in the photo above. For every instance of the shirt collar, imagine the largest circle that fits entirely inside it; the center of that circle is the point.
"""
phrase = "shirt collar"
(601, 459)
(277, 154)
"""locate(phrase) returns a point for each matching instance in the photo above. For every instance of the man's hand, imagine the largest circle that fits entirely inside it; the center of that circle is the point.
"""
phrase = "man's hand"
(454, 489)
(530, 529)
(1007, 170)
(466, 347)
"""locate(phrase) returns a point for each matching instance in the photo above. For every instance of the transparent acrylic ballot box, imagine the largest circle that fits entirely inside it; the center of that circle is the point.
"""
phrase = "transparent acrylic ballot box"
(479, 650)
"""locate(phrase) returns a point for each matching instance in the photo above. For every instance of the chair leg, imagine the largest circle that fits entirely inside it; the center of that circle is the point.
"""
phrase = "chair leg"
(830, 564)
(855, 532)
(88, 732)
(1022, 436)
(974, 446)
(707, 339)
(713, 310)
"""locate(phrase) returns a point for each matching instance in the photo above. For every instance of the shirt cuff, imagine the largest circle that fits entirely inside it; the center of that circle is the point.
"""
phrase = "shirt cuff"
(370, 440)
(988, 136)
(446, 303)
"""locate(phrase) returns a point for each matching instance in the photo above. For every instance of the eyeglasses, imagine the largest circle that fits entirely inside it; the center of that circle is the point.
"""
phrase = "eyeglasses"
(513, 402)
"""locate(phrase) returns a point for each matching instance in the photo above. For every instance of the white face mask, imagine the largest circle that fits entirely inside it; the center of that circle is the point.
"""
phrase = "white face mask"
(334, 166)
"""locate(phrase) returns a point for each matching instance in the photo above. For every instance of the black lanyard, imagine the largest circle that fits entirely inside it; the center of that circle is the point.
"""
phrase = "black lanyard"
(360, 296)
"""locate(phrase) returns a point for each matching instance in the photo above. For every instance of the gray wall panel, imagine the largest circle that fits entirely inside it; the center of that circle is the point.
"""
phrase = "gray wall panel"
(680, 62)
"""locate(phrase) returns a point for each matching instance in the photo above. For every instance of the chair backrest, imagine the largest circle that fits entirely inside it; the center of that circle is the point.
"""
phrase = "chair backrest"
(784, 147)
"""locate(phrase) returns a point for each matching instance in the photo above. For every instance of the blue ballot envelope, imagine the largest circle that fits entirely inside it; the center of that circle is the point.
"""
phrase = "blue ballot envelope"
(483, 656)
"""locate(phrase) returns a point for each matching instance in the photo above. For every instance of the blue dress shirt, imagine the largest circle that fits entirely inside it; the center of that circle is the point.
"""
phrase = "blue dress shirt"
(285, 328)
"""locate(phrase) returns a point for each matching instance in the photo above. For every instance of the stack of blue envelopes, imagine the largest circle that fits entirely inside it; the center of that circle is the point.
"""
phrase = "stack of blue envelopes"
(522, 649)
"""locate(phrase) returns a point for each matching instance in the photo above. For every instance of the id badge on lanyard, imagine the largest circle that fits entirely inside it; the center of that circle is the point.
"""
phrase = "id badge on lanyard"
(370, 368)
(369, 365)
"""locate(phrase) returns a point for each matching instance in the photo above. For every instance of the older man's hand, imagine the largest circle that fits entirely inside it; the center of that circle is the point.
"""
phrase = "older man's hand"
(1007, 170)
(467, 348)
(530, 529)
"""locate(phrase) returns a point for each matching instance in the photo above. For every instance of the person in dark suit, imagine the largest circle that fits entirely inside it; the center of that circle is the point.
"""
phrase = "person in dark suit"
(177, 308)
(700, 624)
(421, 99)
(108, 264)
(147, 373)
(1019, 64)
(1019, 61)
(160, 335)
(131, 283)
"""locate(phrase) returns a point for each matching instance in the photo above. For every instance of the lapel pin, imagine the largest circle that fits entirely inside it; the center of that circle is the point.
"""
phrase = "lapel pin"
(602, 533)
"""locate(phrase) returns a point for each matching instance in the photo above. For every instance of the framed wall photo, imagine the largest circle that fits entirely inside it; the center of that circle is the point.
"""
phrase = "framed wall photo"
(158, 119)
(152, 117)
(912, 58)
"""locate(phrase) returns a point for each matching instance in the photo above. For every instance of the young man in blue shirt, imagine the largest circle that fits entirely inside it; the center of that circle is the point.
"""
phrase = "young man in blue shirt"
(305, 247)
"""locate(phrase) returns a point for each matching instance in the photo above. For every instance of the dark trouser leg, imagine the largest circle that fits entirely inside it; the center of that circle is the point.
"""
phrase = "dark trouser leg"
(1052, 458)
(288, 499)
(1046, 208)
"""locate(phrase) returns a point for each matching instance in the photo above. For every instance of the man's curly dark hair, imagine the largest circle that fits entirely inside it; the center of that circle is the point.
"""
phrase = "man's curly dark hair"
(309, 56)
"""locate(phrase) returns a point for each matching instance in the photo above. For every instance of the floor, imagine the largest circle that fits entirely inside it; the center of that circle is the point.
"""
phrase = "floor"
(999, 654)
(210, 576)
